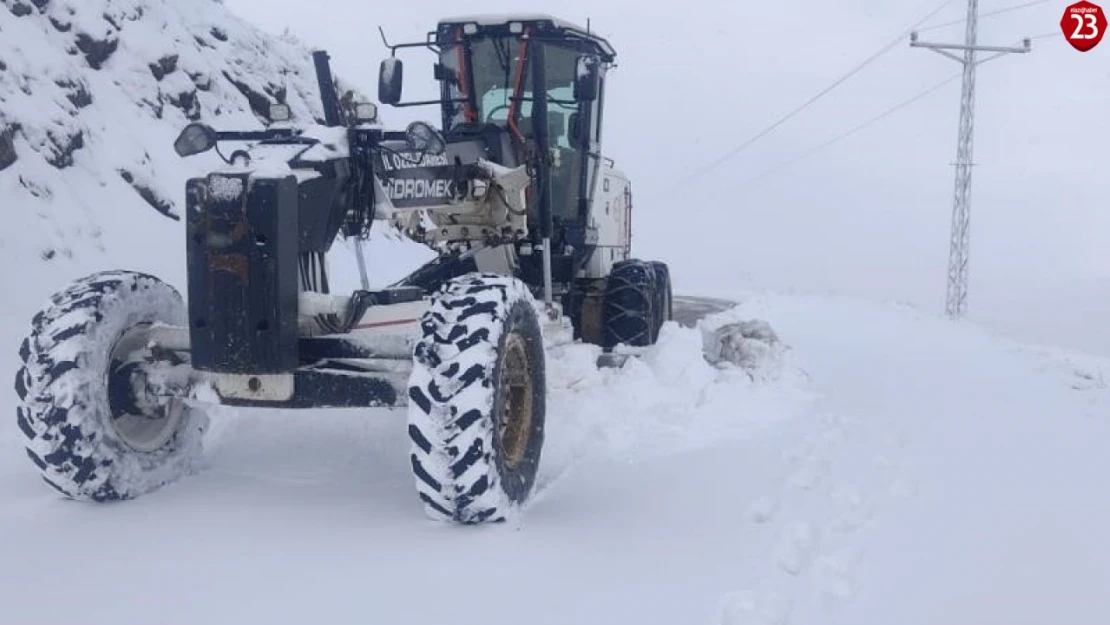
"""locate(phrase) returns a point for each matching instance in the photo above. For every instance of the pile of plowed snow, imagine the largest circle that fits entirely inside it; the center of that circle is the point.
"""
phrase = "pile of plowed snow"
(669, 400)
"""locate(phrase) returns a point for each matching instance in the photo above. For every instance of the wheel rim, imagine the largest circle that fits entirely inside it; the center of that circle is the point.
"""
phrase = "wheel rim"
(515, 423)
(143, 417)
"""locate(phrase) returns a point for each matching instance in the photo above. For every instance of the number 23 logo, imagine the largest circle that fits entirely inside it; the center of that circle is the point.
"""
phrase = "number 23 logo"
(1088, 22)
(1084, 24)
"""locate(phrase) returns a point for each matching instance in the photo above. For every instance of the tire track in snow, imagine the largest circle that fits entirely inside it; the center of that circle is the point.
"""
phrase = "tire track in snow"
(839, 477)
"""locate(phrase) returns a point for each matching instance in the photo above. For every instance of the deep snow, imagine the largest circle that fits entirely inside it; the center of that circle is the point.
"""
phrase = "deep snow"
(885, 466)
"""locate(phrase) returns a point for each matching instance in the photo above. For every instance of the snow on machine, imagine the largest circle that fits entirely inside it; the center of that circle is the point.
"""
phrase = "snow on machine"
(532, 228)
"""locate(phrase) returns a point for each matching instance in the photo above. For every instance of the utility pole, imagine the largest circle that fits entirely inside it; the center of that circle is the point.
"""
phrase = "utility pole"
(956, 304)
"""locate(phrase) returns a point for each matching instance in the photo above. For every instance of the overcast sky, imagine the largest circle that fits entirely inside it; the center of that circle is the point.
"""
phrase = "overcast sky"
(868, 216)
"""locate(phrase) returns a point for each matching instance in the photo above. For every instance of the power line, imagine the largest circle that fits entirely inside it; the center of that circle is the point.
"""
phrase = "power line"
(886, 48)
(1002, 11)
(857, 129)
(874, 120)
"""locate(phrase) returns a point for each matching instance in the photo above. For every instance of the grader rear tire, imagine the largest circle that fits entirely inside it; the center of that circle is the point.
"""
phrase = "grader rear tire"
(629, 313)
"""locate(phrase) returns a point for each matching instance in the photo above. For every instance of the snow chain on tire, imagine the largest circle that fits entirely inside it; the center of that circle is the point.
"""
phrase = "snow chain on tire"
(481, 356)
(64, 387)
(629, 309)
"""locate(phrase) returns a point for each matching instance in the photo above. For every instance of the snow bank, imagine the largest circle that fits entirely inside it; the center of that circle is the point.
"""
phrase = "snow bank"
(668, 401)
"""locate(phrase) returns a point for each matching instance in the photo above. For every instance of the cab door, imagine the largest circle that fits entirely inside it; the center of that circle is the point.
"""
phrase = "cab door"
(589, 137)
(567, 158)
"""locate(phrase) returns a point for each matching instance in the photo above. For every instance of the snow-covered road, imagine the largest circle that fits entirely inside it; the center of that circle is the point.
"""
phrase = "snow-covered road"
(958, 478)
(689, 310)
(887, 467)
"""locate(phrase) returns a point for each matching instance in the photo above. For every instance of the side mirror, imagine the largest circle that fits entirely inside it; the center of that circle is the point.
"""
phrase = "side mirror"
(196, 138)
(423, 138)
(389, 81)
(587, 81)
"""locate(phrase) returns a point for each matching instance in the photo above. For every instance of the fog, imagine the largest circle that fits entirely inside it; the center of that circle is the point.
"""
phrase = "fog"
(870, 215)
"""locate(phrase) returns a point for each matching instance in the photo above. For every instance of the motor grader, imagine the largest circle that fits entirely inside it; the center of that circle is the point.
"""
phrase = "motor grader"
(531, 225)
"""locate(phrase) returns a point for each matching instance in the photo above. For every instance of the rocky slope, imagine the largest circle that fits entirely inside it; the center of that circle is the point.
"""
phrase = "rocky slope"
(92, 94)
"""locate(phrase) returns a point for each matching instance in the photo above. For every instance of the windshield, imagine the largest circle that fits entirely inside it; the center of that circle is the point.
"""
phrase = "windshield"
(497, 66)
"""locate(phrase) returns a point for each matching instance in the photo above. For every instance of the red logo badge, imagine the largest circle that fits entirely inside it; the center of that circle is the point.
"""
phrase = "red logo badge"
(1083, 23)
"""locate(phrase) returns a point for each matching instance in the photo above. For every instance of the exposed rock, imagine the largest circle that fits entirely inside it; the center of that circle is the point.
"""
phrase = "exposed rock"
(157, 106)
(202, 81)
(219, 33)
(8, 156)
(34, 189)
(64, 147)
(60, 26)
(259, 103)
(76, 92)
(96, 51)
(164, 66)
(156, 202)
(277, 93)
(111, 20)
(20, 9)
(188, 103)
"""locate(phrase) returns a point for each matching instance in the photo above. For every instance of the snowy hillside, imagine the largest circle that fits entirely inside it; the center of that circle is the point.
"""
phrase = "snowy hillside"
(91, 97)
(92, 94)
